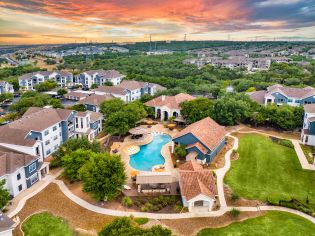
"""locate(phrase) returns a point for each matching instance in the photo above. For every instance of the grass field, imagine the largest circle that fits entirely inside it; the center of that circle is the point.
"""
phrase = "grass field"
(265, 169)
(46, 224)
(271, 224)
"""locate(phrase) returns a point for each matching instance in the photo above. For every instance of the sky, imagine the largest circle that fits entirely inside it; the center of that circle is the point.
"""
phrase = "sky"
(67, 21)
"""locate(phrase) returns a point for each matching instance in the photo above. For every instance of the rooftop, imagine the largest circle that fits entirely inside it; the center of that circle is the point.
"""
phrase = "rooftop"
(207, 131)
(172, 102)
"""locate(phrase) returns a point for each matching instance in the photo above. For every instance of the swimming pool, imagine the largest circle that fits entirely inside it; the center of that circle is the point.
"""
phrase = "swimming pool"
(150, 154)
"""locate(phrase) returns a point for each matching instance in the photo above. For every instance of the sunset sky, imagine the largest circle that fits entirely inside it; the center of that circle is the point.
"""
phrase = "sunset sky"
(64, 21)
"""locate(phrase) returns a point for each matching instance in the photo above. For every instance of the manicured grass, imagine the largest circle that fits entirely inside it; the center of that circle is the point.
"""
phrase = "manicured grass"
(271, 224)
(266, 169)
(46, 224)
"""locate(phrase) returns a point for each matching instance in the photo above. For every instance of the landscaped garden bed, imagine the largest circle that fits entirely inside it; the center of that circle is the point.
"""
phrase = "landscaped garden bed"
(273, 223)
(308, 152)
(265, 168)
(158, 204)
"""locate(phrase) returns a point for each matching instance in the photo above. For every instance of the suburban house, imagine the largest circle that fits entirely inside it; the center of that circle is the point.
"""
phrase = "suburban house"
(93, 102)
(203, 140)
(280, 95)
(77, 95)
(308, 131)
(6, 225)
(129, 90)
(137, 89)
(198, 187)
(29, 80)
(19, 170)
(6, 87)
(99, 77)
(42, 130)
(114, 91)
(168, 106)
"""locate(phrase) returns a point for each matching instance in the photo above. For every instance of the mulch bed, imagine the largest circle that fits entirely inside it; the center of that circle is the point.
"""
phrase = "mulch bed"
(51, 199)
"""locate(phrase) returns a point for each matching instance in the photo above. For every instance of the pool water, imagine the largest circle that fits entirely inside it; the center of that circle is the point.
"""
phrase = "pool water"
(150, 154)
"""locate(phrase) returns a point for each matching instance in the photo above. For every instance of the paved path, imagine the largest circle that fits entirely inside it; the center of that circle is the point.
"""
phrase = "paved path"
(220, 176)
(19, 202)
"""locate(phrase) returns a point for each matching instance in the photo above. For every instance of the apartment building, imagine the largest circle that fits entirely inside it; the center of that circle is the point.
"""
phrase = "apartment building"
(29, 80)
(41, 131)
(99, 77)
(6, 87)
(280, 95)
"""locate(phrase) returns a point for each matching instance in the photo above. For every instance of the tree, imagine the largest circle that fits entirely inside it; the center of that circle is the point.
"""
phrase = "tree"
(94, 86)
(108, 83)
(117, 123)
(78, 107)
(111, 106)
(6, 96)
(73, 161)
(103, 176)
(45, 86)
(55, 103)
(4, 194)
(126, 227)
(62, 92)
(196, 109)
(180, 151)
(233, 108)
(30, 99)
(71, 145)
(136, 111)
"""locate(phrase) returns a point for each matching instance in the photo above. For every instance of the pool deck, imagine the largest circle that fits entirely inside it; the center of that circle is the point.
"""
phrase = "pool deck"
(123, 150)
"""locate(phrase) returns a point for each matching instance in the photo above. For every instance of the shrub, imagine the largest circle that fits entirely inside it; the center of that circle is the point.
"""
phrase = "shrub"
(144, 209)
(235, 197)
(180, 151)
(286, 143)
(127, 201)
(178, 207)
(234, 212)
(141, 221)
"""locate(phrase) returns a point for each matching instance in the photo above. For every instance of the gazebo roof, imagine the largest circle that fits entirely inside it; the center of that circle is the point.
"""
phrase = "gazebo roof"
(138, 131)
(180, 119)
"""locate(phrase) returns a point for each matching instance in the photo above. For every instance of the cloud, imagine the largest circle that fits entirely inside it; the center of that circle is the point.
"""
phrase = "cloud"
(111, 19)
(13, 35)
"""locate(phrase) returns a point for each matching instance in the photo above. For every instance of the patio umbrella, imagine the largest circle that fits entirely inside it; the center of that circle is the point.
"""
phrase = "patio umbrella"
(133, 173)
(115, 146)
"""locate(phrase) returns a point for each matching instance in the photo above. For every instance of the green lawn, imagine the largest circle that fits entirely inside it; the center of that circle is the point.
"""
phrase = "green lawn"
(45, 224)
(273, 223)
(307, 151)
(265, 168)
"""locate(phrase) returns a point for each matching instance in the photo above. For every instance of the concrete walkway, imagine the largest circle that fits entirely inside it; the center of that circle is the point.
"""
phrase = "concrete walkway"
(19, 201)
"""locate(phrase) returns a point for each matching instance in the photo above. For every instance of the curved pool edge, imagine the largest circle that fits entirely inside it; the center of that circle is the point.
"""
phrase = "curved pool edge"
(161, 151)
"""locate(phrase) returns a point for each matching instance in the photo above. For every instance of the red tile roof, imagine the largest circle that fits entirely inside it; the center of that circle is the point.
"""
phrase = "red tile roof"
(171, 102)
(207, 131)
(195, 180)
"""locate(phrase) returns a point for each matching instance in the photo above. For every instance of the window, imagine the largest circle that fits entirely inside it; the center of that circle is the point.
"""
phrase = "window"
(81, 123)
(290, 100)
(55, 137)
(47, 142)
(46, 132)
(56, 146)
(306, 139)
(48, 152)
(33, 179)
(54, 128)
(18, 177)
(20, 187)
(32, 167)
